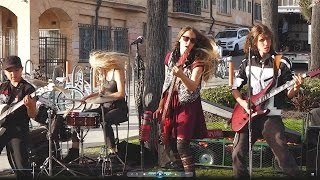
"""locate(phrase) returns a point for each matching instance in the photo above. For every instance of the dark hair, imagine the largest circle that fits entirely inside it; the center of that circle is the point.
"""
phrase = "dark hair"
(203, 50)
(252, 37)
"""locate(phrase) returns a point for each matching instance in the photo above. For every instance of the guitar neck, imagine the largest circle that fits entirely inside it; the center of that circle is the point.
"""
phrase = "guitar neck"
(18, 104)
(181, 61)
(170, 91)
(276, 91)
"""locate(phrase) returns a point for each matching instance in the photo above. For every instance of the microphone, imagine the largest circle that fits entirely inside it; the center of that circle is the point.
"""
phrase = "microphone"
(138, 40)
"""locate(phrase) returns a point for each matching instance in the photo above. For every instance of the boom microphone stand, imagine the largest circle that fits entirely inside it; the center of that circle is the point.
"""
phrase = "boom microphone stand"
(139, 67)
(249, 107)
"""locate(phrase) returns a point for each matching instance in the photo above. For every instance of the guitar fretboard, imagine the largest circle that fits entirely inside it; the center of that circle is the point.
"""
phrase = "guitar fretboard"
(277, 90)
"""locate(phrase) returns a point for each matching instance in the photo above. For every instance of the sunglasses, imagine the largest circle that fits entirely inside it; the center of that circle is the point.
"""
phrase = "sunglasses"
(186, 39)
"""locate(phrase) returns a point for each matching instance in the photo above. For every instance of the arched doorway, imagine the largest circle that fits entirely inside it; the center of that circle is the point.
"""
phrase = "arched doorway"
(8, 31)
(54, 28)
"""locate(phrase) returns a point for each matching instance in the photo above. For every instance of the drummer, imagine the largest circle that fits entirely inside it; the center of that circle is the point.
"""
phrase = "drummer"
(111, 69)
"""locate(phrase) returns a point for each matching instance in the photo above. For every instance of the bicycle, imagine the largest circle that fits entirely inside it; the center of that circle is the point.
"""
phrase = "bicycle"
(222, 68)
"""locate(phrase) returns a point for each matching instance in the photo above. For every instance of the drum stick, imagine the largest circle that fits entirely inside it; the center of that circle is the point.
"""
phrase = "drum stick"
(66, 113)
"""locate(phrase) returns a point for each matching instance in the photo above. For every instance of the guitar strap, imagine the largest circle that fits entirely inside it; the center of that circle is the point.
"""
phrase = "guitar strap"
(276, 67)
(277, 60)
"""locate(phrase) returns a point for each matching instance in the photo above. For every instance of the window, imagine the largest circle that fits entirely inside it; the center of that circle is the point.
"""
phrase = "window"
(119, 43)
(234, 4)
(204, 4)
(213, 2)
(243, 33)
(249, 7)
(257, 11)
(244, 5)
(240, 8)
(224, 6)
(121, 39)
(288, 2)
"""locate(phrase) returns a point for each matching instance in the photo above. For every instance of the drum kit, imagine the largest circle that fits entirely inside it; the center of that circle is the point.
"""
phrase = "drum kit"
(77, 120)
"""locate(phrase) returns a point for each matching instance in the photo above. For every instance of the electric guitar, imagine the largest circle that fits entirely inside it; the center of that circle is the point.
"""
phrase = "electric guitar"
(240, 117)
(165, 119)
(6, 110)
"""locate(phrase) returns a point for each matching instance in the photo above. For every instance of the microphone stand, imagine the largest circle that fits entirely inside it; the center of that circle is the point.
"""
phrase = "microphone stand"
(139, 67)
(250, 112)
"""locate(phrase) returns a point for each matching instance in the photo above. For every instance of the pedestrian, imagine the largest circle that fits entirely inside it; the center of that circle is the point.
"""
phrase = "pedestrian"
(270, 126)
(185, 120)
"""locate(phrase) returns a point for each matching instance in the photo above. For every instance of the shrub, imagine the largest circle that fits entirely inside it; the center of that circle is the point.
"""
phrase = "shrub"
(309, 96)
(220, 95)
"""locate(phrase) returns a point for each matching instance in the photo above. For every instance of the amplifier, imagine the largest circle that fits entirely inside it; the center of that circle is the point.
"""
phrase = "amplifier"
(313, 150)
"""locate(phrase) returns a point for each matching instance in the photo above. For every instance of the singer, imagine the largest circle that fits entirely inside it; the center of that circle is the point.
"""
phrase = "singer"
(269, 126)
(191, 63)
(112, 67)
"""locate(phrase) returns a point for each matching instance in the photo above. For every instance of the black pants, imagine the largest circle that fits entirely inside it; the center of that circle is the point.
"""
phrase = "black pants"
(16, 141)
(272, 129)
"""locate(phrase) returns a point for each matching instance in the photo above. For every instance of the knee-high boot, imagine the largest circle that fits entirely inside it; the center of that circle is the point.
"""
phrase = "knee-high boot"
(184, 150)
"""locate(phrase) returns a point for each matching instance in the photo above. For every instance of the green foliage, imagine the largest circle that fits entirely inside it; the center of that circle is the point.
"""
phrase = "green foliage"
(309, 97)
(293, 124)
(218, 125)
(312, 86)
(305, 10)
(220, 95)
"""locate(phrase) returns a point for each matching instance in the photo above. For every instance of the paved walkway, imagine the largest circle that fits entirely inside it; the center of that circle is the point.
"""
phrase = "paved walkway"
(95, 136)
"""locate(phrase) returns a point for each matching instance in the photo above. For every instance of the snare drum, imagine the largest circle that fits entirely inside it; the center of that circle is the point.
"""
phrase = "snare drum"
(83, 119)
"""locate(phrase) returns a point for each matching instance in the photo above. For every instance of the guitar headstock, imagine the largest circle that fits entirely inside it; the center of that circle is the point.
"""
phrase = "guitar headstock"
(313, 73)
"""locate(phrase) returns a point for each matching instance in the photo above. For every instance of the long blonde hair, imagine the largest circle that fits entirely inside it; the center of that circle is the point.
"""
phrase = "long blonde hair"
(108, 60)
(205, 51)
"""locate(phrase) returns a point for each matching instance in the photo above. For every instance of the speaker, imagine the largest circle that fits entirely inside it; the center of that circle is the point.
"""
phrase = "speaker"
(313, 150)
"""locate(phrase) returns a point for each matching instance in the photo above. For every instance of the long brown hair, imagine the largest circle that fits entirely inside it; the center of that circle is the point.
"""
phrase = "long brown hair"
(204, 51)
(252, 37)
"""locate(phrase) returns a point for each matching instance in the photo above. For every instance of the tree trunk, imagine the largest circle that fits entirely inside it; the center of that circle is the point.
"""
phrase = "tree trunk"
(156, 48)
(315, 38)
(269, 12)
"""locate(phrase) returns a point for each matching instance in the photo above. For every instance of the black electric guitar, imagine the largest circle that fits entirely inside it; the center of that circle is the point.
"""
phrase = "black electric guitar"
(240, 117)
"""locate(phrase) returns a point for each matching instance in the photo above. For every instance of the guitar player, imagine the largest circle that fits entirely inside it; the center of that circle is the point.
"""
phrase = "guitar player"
(16, 124)
(264, 70)
(189, 64)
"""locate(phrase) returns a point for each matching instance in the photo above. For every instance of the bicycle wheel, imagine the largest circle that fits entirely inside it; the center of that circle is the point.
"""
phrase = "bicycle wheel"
(51, 96)
(69, 100)
(223, 70)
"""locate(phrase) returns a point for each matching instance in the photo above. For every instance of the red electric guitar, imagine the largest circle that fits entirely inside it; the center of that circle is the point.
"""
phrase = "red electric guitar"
(240, 117)
(165, 119)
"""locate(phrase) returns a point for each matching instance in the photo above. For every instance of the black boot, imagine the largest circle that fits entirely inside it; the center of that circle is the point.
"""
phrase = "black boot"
(73, 154)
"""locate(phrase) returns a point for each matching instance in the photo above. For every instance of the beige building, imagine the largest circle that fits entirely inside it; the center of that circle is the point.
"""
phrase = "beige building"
(56, 32)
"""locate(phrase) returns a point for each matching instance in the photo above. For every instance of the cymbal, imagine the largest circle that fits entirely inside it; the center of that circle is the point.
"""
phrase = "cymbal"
(100, 99)
(38, 83)
(69, 99)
